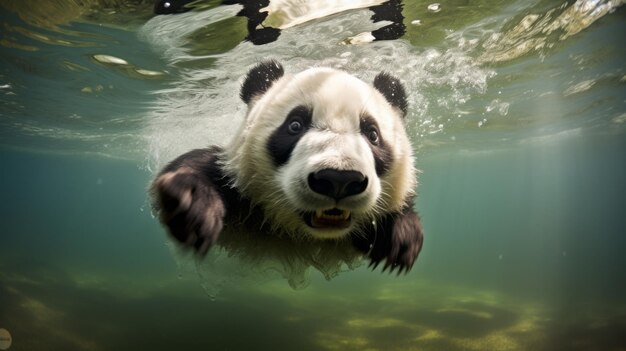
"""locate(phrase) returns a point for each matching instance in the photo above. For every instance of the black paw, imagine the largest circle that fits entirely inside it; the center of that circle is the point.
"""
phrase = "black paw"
(398, 242)
(190, 207)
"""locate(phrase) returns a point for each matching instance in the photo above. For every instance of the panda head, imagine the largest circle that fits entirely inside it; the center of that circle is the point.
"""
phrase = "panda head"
(322, 152)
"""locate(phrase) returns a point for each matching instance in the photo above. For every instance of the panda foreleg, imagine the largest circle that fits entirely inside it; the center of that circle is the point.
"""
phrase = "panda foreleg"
(189, 198)
(397, 239)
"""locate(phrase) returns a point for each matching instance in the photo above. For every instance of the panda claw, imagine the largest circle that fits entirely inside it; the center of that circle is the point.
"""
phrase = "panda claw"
(204, 247)
(403, 269)
(395, 266)
(386, 266)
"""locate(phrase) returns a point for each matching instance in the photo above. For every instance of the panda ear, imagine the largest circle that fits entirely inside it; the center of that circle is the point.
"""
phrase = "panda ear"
(393, 90)
(260, 78)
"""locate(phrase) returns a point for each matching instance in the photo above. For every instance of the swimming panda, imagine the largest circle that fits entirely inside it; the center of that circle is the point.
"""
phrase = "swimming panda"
(322, 157)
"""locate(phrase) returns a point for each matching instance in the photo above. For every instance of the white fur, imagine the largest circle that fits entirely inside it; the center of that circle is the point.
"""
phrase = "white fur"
(333, 141)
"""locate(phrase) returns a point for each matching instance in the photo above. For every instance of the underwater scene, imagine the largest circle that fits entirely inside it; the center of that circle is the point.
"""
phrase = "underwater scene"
(517, 119)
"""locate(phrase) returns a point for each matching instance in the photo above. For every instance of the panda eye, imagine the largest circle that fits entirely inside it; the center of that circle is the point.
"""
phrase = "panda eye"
(295, 126)
(372, 136)
(369, 129)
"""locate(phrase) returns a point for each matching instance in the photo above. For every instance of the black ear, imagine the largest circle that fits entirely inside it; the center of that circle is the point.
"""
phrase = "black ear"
(393, 90)
(260, 78)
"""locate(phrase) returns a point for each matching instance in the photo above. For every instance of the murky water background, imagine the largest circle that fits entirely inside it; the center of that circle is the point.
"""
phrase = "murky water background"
(518, 118)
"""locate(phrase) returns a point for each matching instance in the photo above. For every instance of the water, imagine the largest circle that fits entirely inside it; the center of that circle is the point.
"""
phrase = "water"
(517, 116)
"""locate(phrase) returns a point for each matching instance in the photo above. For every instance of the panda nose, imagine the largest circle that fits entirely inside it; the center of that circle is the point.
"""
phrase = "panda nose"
(337, 184)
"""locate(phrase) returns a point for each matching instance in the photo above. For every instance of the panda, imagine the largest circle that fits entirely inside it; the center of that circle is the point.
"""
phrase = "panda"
(322, 160)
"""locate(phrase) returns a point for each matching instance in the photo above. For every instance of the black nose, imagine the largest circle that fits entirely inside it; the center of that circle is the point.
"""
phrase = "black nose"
(336, 183)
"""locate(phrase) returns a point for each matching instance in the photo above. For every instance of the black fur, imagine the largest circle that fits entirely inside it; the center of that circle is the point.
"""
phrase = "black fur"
(196, 176)
(393, 90)
(381, 150)
(397, 239)
(283, 141)
(260, 78)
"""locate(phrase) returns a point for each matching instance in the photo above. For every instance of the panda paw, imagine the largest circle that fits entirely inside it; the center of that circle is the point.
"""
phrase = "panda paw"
(400, 244)
(191, 208)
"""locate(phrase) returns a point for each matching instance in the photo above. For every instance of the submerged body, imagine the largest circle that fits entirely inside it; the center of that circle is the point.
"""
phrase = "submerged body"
(322, 156)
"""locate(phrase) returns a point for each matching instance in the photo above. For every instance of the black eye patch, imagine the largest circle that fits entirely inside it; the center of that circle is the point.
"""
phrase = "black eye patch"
(383, 156)
(284, 139)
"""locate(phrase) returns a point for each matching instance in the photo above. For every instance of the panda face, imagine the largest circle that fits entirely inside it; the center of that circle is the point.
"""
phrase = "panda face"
(322, 153)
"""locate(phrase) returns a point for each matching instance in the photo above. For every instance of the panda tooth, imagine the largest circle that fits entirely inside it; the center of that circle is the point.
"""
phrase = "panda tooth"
(321, 214)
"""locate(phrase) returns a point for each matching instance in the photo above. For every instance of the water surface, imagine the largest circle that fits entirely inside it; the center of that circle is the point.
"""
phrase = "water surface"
(517, 116)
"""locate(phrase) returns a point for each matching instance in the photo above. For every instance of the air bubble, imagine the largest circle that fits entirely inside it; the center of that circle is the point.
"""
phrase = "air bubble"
(435, 7)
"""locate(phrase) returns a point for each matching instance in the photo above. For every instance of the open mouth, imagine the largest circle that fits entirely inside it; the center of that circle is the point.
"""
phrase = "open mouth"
(334, 218)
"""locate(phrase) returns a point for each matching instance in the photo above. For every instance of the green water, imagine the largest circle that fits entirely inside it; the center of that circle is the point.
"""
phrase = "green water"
(518, 118)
